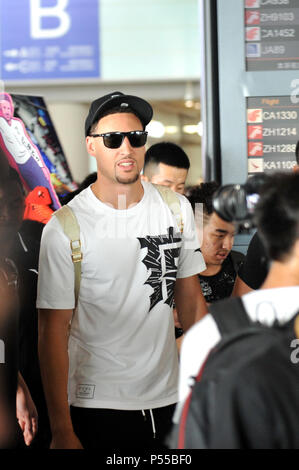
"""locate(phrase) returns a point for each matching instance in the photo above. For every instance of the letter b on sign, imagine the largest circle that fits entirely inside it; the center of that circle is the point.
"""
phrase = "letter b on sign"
(38, 12)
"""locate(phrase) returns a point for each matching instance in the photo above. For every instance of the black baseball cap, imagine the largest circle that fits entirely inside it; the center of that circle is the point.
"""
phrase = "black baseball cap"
(142, 108)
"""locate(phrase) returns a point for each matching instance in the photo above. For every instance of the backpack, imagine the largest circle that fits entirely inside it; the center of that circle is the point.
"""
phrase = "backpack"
(71, 229)
(246, 393)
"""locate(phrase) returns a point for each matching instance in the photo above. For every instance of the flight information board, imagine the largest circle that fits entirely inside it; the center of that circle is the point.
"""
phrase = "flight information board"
(272, 133)
(271, 34)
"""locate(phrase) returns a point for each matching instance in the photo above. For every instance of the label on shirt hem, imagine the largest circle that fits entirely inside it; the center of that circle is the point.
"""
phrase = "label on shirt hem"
(85, 391)
(85, 402)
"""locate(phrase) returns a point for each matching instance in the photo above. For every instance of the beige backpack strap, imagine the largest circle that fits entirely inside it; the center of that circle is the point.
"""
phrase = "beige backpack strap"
(71, 228)
(173, 202)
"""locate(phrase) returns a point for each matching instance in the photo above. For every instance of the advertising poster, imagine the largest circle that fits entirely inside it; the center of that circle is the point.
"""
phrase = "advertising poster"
(29, 142)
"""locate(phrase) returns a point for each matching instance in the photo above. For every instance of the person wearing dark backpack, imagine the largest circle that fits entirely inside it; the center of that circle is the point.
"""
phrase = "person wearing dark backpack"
(244, 378)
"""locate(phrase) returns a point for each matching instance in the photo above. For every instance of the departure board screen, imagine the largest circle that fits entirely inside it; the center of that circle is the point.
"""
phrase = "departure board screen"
(272, 133)
(271, 34)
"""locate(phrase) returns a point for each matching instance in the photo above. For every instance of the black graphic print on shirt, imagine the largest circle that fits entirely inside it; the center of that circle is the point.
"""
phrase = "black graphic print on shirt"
(161, 259)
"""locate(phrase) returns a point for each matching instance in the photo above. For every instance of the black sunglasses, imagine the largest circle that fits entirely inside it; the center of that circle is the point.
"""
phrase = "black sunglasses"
(113, 140)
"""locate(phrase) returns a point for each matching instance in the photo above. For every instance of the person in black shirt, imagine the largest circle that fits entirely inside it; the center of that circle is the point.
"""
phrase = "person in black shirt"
(220, 285)
(222, 263)
(20, 245)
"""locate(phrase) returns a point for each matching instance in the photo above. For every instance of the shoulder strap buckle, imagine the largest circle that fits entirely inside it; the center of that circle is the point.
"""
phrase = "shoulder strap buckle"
(77, 255)
(173, 202)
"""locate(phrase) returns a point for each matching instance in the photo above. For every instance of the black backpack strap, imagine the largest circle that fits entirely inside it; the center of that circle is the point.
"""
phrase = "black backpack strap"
(229, 315)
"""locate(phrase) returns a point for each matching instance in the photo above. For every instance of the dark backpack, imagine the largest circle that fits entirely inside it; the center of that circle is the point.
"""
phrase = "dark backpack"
(246, 394)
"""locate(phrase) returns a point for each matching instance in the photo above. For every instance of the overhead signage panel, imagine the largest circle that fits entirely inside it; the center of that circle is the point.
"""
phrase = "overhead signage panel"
(49, 39)
(272, 133)
(271, 34)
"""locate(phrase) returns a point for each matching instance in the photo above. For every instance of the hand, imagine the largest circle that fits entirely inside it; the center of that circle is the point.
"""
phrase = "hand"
(65, 440)
(26, 412)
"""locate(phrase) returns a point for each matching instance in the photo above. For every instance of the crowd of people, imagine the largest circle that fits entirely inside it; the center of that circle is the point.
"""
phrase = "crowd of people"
(127, 291)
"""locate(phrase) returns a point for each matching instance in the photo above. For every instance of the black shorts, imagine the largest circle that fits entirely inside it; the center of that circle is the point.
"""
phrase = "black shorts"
(113, 429)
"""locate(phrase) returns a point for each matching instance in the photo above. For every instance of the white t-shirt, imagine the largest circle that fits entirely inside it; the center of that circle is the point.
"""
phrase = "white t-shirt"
(122, 346)
(263, 305)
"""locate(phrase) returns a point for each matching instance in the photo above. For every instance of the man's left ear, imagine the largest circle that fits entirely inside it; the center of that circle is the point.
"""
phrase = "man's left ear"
(90, 145)
(144, 178)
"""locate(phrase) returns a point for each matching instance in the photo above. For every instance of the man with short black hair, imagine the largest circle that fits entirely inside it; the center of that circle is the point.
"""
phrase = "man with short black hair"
(167, 164)
(118, 367)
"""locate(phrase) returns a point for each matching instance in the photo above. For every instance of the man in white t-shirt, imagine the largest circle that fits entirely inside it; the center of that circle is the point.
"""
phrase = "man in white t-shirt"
(120, 375)
(277, 219)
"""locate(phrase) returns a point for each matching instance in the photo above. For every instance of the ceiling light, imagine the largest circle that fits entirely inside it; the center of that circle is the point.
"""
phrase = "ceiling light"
(189, 103)
(190, 129)
(193, 129)
(171, 129)
(155, 129)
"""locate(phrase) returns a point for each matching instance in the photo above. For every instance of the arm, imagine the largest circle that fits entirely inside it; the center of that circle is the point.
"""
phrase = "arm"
(54, 363)
(179, 343)
(189, 301)
(240, 288)
(26, 411)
